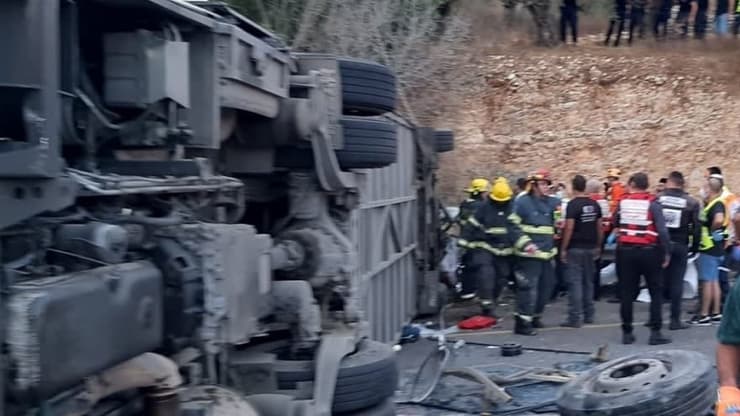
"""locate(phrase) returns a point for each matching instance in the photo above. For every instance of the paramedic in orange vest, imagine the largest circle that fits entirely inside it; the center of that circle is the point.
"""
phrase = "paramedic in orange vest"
(616, 190)
(642, 250)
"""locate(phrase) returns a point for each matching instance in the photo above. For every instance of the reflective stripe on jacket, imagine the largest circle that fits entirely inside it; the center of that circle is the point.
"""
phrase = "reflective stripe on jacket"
(467, 209)
(535, 217)
(490, 229)
(636, 223)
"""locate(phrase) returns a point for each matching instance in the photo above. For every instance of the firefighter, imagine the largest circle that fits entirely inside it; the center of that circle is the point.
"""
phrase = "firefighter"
(642, 250)
(534, 217)
(476, 193)
(492, 245)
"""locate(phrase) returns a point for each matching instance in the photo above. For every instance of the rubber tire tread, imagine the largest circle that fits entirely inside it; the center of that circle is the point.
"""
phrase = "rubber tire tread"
(386, 408)
(365, 378)
(368, 88)
(444, 141)
(701, 386)
(369, 143)
(350, 384)
(702, 395)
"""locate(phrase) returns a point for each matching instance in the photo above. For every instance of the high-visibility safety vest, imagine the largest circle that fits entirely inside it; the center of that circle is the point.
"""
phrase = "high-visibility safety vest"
(706, 242)
(636, 225)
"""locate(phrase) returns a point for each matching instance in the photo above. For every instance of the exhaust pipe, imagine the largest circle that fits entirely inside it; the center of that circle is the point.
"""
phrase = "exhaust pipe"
(156, 373)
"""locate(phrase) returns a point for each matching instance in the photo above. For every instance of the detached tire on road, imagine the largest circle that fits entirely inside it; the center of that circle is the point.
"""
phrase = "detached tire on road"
(368, 88)
(659, 383)
(369, 143)
(367, 378)
(444, 140)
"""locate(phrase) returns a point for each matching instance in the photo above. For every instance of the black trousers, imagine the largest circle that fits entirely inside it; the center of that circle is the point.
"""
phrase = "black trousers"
(616, 26)
(637, 21)
(468, 273)
(673, 278)
(634, 262)
(493, 274)
(560, 285)
(700, 24)
(568, 19)
(724, 278)
(682, 18)
(535, 280)
(660, 26)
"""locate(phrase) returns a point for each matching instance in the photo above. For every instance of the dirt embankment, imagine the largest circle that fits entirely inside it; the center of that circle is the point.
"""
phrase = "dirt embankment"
(653, 107)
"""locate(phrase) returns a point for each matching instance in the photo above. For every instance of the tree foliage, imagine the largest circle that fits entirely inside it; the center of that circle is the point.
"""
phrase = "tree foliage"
(418, 39)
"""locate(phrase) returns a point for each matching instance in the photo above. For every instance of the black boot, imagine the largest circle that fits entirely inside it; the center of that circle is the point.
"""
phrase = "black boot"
(523, 327)
(628, 338)
(657, 338)
(677, 325)
(488, 311)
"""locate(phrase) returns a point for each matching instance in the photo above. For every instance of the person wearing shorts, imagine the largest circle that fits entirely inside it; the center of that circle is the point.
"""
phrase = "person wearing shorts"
(711, 252)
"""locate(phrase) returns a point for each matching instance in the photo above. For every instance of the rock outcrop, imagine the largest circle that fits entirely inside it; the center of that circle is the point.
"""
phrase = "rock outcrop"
(584, 110)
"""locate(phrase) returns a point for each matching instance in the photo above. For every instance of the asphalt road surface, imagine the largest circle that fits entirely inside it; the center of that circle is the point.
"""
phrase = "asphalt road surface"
(447, 398)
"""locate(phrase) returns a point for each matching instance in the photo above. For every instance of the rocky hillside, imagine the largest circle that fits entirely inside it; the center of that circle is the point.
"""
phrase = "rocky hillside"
(584, 109)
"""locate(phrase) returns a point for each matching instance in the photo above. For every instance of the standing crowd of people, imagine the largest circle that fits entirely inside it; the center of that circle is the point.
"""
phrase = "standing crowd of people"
(523, 239)
(637, 15)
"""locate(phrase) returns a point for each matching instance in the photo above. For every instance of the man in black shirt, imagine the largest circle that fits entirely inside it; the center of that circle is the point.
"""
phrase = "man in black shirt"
(681, 213)
(582, 237)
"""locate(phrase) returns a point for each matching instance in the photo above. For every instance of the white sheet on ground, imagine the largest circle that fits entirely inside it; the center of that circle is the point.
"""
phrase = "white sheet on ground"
(690, 284)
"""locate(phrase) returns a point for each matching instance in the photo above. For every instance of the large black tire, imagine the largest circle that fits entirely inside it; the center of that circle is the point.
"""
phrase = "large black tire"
(444, 140)
(368, 88)
(386, 408)
(366, 377)
(660, 383)
(369, 143)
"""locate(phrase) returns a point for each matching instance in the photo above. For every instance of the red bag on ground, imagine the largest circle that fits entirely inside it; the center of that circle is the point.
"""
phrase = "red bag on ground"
(477, 322)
